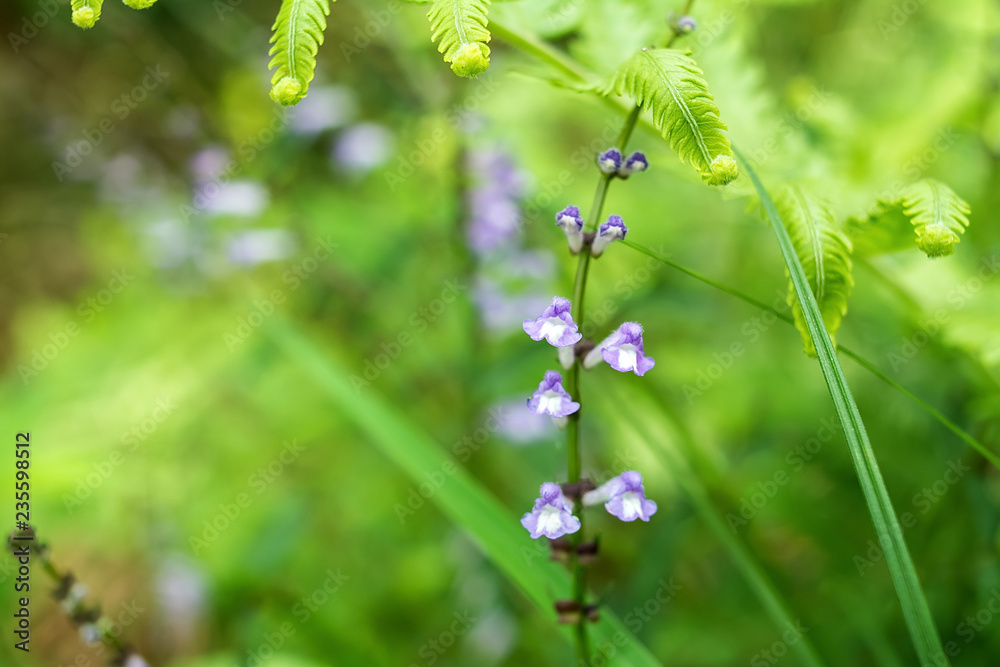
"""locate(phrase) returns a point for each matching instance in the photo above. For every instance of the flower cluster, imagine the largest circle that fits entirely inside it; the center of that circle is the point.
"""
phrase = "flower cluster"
(612, 163)
(572, 224)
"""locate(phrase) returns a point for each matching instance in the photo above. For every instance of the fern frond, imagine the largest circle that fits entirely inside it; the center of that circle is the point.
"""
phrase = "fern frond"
(668, 83)
(139, 4)
(298, 32)
(934, 211)
(86, 12)
(460, 29)
(825, 253)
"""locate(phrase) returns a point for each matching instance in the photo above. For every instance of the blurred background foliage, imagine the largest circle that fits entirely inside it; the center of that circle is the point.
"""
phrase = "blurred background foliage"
(147, 149)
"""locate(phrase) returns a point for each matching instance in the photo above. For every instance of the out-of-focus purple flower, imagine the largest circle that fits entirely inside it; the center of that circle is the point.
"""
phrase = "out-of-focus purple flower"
(571, 222)
(499, 310)
(612, 230)
(686, 24)
(520, 425)
(622, 350)
(324, 108)
(240, 198)
(135, 660)
(555, 324)
(362, 147)
(257, 246)
(624, 497)
(495, 212)
(551, 399)
(609, 161)
(552, 515)
(635, 163)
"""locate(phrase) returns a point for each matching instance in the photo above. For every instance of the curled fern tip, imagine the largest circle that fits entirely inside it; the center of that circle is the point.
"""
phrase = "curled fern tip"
(471, 60)
(937, 241)
(724, 170)
(85, 17)
(287, 91)
(140, 4)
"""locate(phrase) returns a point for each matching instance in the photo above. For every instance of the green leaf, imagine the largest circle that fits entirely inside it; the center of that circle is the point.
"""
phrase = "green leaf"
(668, 84)
(937, 214)
(460, 29)
(916, 612)
(298, 32)
(86, 12)
(460, 497)
(825, 253)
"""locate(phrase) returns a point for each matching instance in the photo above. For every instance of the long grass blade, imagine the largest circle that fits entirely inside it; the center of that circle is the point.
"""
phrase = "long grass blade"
(916, 611)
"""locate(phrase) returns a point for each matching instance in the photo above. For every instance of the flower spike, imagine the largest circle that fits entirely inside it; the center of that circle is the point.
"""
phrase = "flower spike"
(555, 325)
(624, 497)
(552, 515)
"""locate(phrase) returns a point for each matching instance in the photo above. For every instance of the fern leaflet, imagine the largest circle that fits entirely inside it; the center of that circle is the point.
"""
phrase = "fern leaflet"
(298, 32)
(668, 83)
(460, 29)
(825, 253)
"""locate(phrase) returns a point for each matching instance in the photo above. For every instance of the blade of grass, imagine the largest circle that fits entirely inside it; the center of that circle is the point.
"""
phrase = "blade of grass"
(933, 412)
(635, 413)
(461, 498)
(916, 611)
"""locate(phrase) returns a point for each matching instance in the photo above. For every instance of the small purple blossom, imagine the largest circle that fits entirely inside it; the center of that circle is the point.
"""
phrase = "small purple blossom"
(686, 24)
(635, 163)
(555, 325)
(551, 399)
(552, 515)
(612, 230)
(609, 161)
(622, 350)
(571, 222)
(624, 497)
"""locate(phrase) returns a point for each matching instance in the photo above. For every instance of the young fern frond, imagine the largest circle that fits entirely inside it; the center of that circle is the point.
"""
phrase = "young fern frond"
(825, 253)
(298, 32)
(936, 213)
(139, 4)
(460, 29)
(86, 12)
(668, 83)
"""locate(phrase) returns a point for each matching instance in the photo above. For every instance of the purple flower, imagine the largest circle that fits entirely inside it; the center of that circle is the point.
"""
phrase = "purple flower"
(551, 399)
(623, 350)
(635, 163)
(612, 230)
(555, 325)
(609, 161)
(552, 515)
(623, 496)
(571, 222)
(686, 24)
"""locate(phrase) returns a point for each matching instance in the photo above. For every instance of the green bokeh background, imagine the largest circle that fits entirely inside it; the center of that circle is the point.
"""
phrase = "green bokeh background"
(848, 98)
